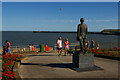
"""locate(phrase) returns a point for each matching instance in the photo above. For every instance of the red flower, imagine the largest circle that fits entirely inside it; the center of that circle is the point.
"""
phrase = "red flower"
(7, 64)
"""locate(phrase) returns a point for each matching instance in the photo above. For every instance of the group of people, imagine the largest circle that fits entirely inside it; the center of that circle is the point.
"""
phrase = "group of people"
(88, 45)
(82, 32)
(91, 45)
(60, 47)
(31, 47)
(6, 49)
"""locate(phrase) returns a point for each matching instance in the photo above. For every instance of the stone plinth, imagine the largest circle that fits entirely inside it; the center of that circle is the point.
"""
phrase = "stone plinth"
(83, 62)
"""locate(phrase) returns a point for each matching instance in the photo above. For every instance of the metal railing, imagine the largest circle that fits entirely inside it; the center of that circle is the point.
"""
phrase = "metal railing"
(18, 49)
(23, 48)
(71, 46)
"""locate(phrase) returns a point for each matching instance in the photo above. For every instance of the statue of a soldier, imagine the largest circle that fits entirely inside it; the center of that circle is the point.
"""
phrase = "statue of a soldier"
(82, 32)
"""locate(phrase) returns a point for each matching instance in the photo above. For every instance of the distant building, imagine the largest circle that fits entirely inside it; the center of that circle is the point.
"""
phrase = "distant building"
(110, 31)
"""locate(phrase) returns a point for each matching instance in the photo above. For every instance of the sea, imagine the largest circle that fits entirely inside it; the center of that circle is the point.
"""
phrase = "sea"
(19, 38)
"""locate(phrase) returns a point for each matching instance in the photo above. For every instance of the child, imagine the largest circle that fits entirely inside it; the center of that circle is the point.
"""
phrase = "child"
(97, 45)
(88, 45)
(92, 44)
(4, 50)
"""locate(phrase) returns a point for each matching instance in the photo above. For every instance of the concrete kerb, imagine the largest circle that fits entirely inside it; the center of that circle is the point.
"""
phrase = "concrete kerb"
(24, 59)
(16, 68)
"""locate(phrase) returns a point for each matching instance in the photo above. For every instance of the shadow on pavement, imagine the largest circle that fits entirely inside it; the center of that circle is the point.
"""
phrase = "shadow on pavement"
(54, 65)
(59, 65)
(42, 55)
(49, 55)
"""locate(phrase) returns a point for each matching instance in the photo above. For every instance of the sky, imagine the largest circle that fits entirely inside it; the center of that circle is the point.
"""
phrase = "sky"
(58, 16)
(60, 0)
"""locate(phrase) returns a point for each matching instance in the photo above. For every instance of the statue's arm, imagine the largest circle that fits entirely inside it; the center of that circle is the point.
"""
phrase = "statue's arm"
(78, 32)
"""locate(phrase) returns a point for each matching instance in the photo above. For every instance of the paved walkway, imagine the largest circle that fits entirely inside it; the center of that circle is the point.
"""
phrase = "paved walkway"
(0, 67)
(49, 65)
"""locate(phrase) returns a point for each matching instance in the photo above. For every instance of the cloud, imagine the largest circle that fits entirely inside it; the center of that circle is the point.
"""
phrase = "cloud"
(107, 20)
(102, 20)
(86, 20)
(63, 20)
(75, 21)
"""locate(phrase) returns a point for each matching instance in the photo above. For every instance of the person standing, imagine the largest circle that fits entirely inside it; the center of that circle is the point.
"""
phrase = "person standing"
(59, 46)
(23, 49)
(8, 47)
(32, 48)
(82, 32)
(97, 45)
(88, 44)
(46, 48)
(92, 44)
(66, 43)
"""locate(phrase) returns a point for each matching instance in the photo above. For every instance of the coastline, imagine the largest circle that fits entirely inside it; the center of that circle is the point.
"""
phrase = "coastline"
(23, 38)
(108, 33)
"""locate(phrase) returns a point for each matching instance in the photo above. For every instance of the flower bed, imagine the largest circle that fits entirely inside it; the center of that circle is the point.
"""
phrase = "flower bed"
(113, 53)
(7, 65)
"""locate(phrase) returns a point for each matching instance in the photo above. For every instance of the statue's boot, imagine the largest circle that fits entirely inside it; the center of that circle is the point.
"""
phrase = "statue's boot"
(85, 51)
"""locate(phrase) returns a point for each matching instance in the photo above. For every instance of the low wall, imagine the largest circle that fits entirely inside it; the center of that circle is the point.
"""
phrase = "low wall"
(19, 50)
(16, 68)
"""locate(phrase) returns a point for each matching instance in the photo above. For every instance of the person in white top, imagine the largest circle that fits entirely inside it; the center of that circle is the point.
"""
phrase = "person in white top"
(59, 46)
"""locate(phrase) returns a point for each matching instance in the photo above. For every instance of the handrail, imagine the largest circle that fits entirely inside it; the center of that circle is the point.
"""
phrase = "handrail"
(70, 45)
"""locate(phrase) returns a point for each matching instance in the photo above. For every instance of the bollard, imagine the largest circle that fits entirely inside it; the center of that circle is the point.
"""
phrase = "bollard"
(41, 48)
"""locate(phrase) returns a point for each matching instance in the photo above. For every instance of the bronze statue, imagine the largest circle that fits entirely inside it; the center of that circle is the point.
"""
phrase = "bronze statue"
(82, 32)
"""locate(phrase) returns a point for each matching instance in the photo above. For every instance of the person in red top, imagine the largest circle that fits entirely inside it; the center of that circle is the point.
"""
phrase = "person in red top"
(8, 47)
(46, 48)
(32, 48)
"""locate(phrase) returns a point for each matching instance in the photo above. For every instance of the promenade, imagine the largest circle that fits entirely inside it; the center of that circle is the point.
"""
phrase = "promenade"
(49, 65)
(0, 66)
